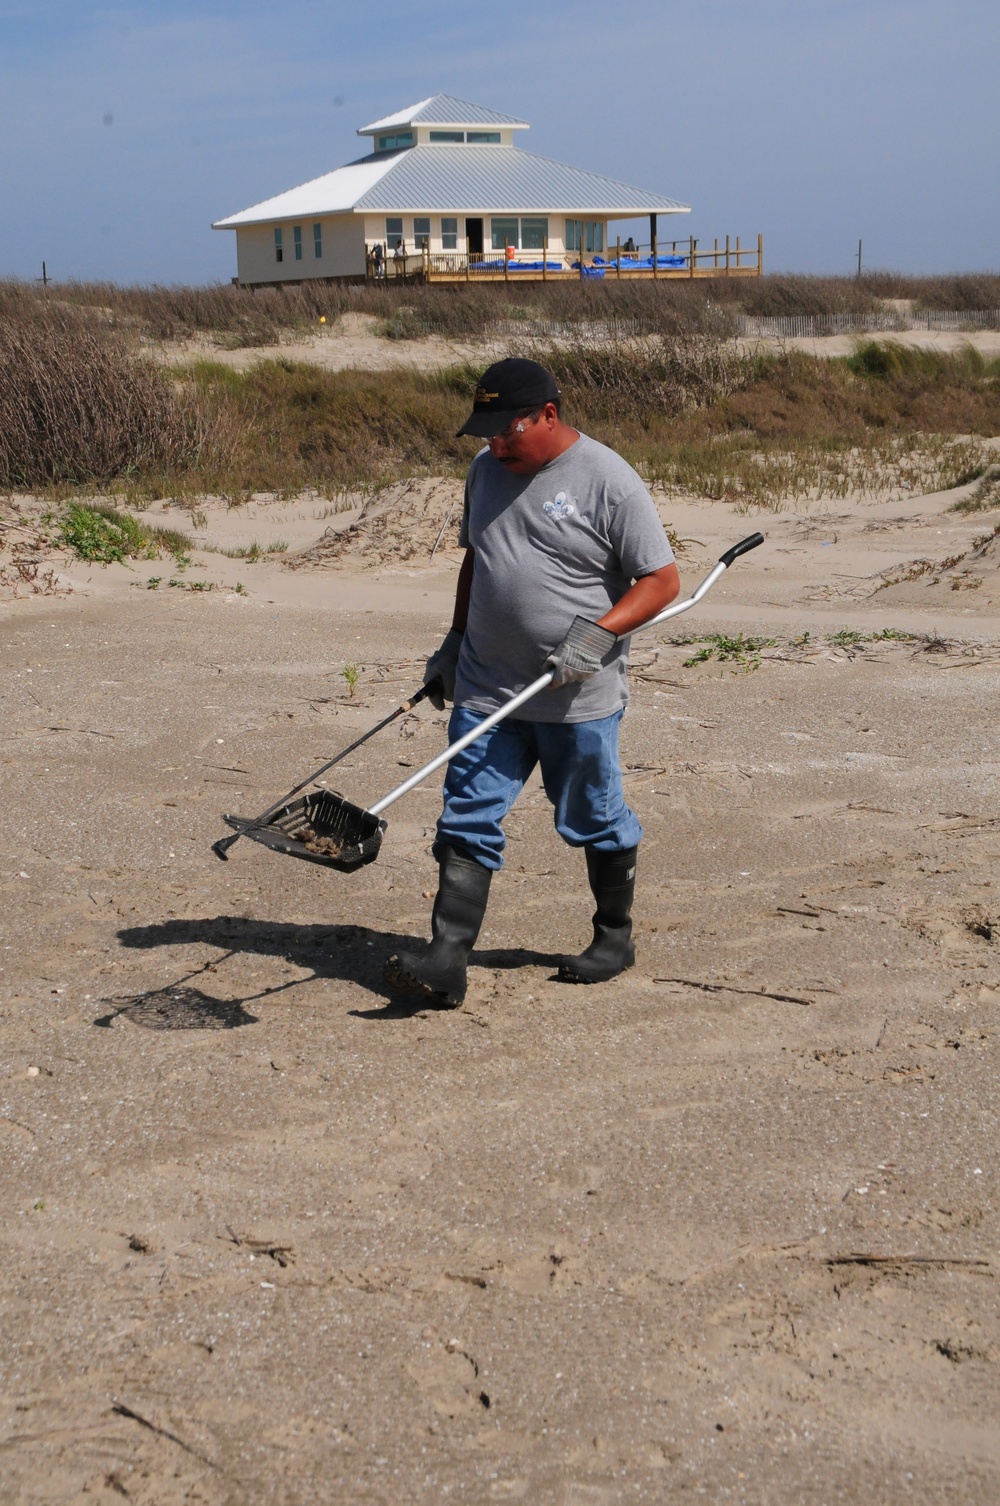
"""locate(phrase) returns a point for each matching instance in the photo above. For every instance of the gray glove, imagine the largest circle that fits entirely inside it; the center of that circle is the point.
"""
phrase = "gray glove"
(441, 666)
(580, 653)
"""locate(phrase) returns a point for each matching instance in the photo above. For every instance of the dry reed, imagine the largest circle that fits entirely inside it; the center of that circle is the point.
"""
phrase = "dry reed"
(76, 406)
(233, 316)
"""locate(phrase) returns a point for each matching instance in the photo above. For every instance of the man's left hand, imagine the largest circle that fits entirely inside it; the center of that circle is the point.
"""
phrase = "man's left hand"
(580, 653)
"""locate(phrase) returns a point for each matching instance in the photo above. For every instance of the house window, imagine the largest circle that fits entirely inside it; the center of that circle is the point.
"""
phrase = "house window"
(421, 231)
(530, 234)
(393, 231)
(534, 233)
(586, 235)
(397, 139)
(483, 138)
(449, 234)
(447, 135)
(278, 252)
(504, 233)
(297, 238)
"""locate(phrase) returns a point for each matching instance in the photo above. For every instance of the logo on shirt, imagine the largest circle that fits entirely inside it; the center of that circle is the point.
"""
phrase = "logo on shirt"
(560, 508)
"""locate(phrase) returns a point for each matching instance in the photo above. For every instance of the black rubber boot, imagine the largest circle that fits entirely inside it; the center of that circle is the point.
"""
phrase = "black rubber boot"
(463, 890)
(612, 881)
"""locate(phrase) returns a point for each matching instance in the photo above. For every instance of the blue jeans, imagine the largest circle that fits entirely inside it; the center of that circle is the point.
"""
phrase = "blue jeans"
(580, 772)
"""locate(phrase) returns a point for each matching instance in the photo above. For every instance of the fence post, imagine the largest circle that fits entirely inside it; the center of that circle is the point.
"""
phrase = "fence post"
(653, 249)
(545, 257)
(760, 256)
(468, 256)
(691, 247)
(618, 258)
(738, 253)
(716, 262)
(727, 255)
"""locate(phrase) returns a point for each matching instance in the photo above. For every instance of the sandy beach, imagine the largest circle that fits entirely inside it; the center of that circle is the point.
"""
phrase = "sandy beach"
(725, 1228)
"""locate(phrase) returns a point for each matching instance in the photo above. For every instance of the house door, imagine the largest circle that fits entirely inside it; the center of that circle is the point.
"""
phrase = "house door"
(474, 235)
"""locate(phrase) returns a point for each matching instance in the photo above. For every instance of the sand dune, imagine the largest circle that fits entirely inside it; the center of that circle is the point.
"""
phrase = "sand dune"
(726, 1227)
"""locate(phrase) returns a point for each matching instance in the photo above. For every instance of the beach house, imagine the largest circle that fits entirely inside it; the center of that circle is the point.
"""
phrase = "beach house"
(446, 194)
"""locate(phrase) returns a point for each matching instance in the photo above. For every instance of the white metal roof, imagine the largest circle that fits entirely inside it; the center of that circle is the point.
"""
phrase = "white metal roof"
(334, 193)
(444, 110)
(494, 179)
(460, 179)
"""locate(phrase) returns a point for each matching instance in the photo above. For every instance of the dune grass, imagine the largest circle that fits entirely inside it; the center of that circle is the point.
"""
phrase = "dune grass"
(231, 317)
(986, 497)
(81, 409)
(76, 406)
(689, 412)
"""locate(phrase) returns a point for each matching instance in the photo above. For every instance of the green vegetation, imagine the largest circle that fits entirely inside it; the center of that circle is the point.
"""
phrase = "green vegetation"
(742, 650)
(107, 536)
(848, 637)
(254, 551)
(352, 674)
(986, 497)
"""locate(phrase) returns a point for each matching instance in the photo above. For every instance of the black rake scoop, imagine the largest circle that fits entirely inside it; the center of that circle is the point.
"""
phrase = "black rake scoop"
(343, 835)
(325, 828)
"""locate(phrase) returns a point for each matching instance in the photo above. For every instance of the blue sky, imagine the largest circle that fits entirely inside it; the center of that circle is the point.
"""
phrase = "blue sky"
(126, 129)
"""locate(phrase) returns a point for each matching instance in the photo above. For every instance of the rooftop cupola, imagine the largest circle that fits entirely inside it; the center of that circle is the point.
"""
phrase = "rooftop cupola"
(443, 120)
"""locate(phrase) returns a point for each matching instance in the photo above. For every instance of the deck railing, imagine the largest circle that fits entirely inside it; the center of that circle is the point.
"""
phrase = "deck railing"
(672, 260)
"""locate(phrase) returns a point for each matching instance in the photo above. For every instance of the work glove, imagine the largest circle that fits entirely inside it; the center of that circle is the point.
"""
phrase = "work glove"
(580, 653)
(441, 666)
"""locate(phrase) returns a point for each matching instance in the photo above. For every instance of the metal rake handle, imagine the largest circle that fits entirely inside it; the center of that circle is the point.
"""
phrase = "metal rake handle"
(752, 541)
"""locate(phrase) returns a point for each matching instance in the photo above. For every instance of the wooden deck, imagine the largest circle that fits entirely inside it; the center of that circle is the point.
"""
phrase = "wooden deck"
(672, 261)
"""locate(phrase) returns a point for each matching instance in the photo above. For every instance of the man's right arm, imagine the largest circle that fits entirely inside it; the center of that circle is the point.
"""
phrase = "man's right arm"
(463, 591)
(442, 665)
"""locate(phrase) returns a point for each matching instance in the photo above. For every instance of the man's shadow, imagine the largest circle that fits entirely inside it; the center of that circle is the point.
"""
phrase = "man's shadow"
(341, 953)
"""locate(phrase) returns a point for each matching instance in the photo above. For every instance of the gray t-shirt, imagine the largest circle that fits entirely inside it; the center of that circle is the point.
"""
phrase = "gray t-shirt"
(567, 541)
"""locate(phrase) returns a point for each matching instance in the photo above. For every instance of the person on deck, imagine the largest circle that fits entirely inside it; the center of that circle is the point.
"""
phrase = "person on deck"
(565, 556)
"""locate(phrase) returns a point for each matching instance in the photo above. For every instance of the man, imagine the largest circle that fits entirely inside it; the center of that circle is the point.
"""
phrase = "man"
(565, 556)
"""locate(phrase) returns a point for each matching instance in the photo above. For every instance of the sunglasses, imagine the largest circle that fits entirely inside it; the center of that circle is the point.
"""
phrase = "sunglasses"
(513, 431)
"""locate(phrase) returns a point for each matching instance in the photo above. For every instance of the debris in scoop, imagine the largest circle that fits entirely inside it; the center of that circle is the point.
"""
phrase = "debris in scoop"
(327, 847)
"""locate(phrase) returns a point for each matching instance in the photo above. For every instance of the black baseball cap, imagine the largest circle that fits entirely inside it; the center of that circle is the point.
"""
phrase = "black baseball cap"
(504, 391)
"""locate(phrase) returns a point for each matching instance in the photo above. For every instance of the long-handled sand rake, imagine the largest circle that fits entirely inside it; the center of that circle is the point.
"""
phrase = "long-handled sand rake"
(256, 827)
(348, 835)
